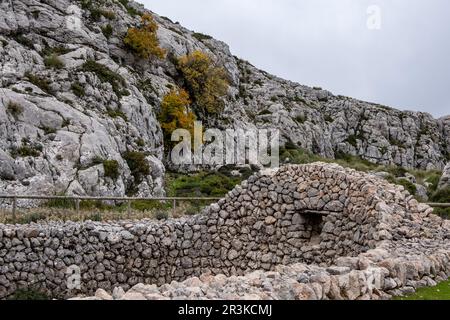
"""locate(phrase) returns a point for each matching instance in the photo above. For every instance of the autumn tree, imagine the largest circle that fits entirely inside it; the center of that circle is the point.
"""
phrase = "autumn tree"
(175, 113)
(206, 82)
(144, 40)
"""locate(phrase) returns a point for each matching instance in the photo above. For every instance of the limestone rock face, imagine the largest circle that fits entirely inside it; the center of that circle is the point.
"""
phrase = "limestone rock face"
(445, 179)
(58, 122)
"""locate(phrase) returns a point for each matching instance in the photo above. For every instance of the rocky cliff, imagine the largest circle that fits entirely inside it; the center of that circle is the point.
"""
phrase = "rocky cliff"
(73, 99)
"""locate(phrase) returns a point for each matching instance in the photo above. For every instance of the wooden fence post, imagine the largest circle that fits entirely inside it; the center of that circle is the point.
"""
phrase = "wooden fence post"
(77, 205)
(14, 208)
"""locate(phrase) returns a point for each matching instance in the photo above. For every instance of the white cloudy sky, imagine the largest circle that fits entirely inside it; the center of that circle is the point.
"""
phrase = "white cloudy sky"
(326, 43)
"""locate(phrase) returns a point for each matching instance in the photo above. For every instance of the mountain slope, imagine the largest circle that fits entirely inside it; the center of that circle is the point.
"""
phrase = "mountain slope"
(76, 126)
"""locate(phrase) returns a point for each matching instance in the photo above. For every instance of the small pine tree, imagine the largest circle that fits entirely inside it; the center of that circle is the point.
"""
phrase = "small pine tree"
(144, 40)
(175, 113)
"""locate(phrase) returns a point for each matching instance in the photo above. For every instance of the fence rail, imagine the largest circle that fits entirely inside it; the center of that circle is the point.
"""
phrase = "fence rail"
(128, 200)
(78, 199)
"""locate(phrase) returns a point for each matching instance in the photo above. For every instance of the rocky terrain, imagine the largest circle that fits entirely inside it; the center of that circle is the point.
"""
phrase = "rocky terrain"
(72, 96)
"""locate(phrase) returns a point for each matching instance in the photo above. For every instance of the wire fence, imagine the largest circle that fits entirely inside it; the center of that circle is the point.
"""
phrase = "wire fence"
(13, 199)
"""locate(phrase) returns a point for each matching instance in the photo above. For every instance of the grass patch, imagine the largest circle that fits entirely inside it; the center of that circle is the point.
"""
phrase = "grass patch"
(48, 130)
(439, 292)
(78, 89)
(53, 61)
(28, 294)
(27, 151)
(202, 184)
(59, 50)
(200, 36)
(116, 114)
(441, 196)
(442, 212)
(14, 109)
(39, 82)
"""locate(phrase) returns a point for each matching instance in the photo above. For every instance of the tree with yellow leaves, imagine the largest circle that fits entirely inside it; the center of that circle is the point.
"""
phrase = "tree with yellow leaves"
(206, 82)
(175, 113)
(144, 40)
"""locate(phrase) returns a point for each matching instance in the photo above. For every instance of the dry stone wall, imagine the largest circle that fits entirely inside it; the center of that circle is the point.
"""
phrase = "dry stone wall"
(320, 217)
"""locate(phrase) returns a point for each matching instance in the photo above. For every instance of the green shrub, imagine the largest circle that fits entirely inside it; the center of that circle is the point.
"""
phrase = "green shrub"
(111, 168)
(412, 189)
(14, 108)
(106, 75)
(433, 178)
(53, 61)
(65, 123)
(39, 82)
(146, 205)
(265, 112)
(117, 114)
(200, 36)
(48, 130)
(441, 196)
(140, 142)
(328, 118)
(353, 140)
(94, 217)
(397, 171)
(131, 11)
(138, 165)
(442, 212)
(300, 119)
(59, 50)
(78, 89)
(26, 151)
(107, 31)
(203, 184)
(161, 215)
(35, 14)
(20, 38)
(108, 14)
(290, 145)
(396, 142)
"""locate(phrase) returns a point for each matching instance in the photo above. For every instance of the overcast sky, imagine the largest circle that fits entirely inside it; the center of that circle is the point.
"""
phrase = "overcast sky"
(327, 43)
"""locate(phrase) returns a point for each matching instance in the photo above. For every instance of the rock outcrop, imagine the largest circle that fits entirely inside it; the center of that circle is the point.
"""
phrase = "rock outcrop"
(314, 225)
(58, 122)
(445, 179)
